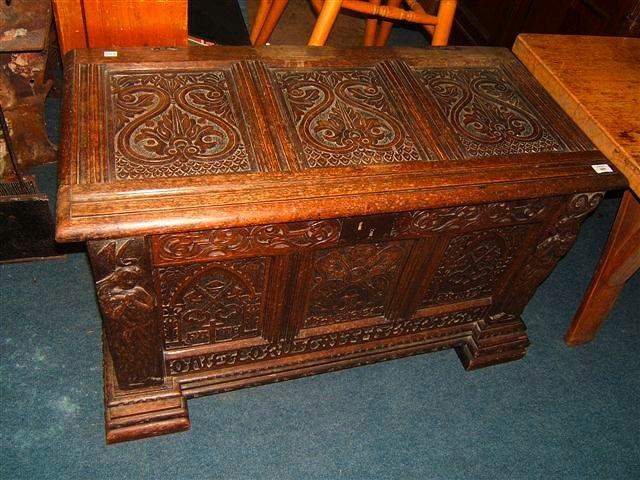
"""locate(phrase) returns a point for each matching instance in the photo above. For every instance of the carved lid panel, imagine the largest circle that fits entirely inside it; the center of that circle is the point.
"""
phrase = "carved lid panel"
(158, 140)
(176, 124)
(487, 112)
(345, 117)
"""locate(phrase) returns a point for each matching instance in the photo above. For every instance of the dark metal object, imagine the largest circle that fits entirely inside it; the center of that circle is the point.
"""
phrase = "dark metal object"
(26, 223)
(12, 155)
(26, 228)
(23, 84)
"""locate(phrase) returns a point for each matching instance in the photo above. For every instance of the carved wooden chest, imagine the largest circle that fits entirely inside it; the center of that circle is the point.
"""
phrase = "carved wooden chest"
(254, 215)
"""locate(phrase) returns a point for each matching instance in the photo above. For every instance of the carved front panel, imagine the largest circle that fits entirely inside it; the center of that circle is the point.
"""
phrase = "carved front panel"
(489, 115)
(473, 263)
(176, 124)
(353, 282)
(344, 118)
(213, 302)
(244, 241)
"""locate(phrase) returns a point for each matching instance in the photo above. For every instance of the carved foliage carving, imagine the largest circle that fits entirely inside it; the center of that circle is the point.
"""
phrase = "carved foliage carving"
(175, 124)
(353, 282)
(244, 241)
(343, 118)
(460, 218)
(555, 242)
(473, 263)
(213, 361)
(128, 304)
(487, 112)
(213, 302)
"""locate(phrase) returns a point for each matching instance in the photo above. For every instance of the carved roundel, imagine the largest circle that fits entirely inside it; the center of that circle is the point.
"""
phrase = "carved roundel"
(175, 124)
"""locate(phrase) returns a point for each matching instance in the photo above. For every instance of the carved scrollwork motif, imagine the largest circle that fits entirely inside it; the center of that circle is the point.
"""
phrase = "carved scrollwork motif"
(353, 282)
(243, 241)
(128, 304)
(212, 303)
(343, 118)
(175, 124)
(473, 263)
(328, 341)
(460, 218)
(555, 242)
(490, 116)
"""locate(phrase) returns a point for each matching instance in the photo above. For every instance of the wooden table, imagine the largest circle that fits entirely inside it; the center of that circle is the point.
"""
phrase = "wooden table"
(597, 82)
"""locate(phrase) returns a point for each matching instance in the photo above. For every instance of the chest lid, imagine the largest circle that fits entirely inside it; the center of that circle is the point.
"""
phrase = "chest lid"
(158, 140)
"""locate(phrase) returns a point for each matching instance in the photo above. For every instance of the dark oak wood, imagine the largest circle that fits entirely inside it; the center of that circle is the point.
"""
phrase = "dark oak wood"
(255, 215)
(498, 22)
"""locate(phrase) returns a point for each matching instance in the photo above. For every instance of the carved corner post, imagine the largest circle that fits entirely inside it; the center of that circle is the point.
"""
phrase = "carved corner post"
(556, 240)
(139, 401)
(502, 336)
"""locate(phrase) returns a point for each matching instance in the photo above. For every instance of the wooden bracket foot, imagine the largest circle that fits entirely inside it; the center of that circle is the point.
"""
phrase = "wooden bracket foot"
(143, 412)
(501, 338)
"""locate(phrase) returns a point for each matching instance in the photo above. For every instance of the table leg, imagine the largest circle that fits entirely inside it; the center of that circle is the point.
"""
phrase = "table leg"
(620, 259)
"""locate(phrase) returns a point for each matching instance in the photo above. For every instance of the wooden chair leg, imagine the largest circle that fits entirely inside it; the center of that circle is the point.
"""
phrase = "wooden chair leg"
(446, 11)
(385, 27)
(620, 260)
(270, 21)
(316, 5)
(416, 7)
(370, 28)
(263, 10)
(324, 24)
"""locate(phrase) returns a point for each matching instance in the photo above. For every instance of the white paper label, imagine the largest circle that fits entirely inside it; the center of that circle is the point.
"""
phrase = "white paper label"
(110, 53)
(602, 168)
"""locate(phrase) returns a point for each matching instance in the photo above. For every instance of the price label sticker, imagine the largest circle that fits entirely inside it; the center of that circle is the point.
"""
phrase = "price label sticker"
(602, 168)
(110, 53)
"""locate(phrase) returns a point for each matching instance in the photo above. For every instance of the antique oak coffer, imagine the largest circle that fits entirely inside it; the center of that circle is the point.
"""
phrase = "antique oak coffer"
(254, 215)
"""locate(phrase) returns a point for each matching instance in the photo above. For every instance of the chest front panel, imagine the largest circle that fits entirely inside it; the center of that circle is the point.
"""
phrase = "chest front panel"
(276, 288)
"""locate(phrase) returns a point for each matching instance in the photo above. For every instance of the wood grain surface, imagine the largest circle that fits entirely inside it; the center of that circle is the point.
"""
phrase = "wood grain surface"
(259, 214)
(120, 23)
(281, 134)
(596, 80)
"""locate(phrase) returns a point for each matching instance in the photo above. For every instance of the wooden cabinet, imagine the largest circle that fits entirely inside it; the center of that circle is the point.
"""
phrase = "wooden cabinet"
(254, 215)
(120, 23)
